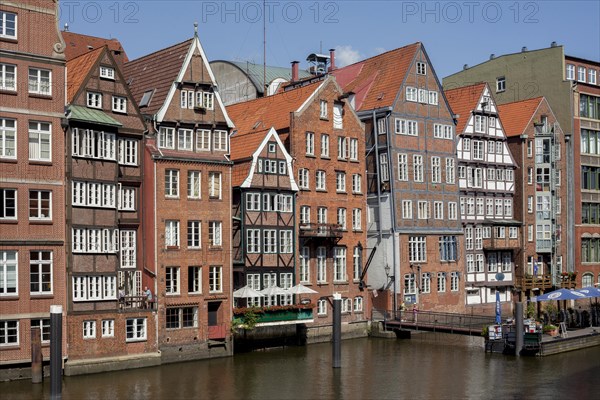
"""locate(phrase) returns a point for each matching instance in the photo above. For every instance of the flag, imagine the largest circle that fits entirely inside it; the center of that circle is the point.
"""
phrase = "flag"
(535, 269)
(498, 308)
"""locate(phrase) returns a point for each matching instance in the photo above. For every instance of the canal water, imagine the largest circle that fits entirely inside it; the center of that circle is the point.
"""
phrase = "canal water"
(429, 366)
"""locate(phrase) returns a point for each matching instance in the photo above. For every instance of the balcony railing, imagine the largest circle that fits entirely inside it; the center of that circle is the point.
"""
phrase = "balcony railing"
(543, 245)
(501, 243)
(541, 282)
(333, 231)
(276, 315)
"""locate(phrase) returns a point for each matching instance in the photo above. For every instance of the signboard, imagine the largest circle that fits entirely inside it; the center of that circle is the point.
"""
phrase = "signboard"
(410, 298)
(495, 332)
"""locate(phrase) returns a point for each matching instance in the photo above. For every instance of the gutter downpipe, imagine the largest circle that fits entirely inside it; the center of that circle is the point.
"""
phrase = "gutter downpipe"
(571, 185)
(392, 210)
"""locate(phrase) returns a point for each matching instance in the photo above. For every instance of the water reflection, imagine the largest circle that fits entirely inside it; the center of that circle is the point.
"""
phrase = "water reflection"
(429, 366)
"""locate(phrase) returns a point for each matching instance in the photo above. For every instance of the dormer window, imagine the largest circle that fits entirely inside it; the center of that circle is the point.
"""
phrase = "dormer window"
(107, 72)
(94, 100)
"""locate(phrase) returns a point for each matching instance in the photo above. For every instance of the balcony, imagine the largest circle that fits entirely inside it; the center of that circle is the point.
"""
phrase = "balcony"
(324, 231)
(250, 317)
(501, 243)
(542, 282)
(543, 245)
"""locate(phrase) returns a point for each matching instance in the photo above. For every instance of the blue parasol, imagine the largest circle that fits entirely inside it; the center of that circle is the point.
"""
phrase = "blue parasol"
(590, 291)
(562, 294)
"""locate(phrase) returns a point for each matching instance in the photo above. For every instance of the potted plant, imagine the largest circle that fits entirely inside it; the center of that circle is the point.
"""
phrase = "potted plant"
(550, 329)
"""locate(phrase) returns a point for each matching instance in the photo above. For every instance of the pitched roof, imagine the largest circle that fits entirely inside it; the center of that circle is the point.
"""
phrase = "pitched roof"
(244, 145)
(78, 44)
(272, 111)
(255, 73)
(516, 116)
(377, 80)
(463, 101)
(78, 69)
(156, 71)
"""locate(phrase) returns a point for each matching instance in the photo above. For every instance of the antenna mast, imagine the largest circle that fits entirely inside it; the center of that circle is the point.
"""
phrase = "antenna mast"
(264, 48)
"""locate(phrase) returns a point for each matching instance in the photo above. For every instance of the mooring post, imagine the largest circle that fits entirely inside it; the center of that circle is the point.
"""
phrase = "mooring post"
(36, 356)
(56, 352)
(519, 327)
(337, 330)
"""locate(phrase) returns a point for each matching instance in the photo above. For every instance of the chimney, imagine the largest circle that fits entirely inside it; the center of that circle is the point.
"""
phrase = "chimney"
(466, 66)
(553, 44)
(523, 49)
(492, 56)
(295, 71)
(331, 59)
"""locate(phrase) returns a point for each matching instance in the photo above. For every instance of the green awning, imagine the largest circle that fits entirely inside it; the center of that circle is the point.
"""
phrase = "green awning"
(79, 113)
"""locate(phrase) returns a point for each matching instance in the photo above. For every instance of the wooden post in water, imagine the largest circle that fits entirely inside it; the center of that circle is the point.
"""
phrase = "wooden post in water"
(519, 327)
(56, 352)
(37, 374)
(337, 330)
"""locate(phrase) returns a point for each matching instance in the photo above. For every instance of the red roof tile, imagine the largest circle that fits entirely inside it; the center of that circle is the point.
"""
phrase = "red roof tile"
(78, 44)
(244, 145)
(269, 112)
(78, 69)
(376, 81)
(463, 101)
(156, 71)
(516, 116)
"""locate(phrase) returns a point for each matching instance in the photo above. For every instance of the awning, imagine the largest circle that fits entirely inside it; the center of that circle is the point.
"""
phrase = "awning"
(79, 113)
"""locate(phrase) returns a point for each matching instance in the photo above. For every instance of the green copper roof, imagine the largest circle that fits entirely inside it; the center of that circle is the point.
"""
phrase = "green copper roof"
(79, 113)
(255, 73)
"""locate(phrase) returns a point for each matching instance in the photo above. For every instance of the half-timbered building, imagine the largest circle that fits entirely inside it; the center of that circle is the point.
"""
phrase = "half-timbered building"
(108, 312)
(264, 227)
(486, 177)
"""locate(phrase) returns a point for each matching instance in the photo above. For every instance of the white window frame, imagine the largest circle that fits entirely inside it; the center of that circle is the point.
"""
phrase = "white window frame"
(417, 246)
(339, 264)
(107, 72)
(324, 145)
(215, 279)
(220, 140)
(128, 248)
(172, 183)
(136, 329)
(8, 77)
(4, 25)
(194, 234)
(215, 185)
(40, 81)
(185, 139)
(166, 138)
(356, 219)
(108, 328)
(172, 280)
(40, 137)
(9, 266)
(8, 138)
(215, 233)
(119, 104)
(321, 264)
(310, 143)
(89, 329)
(407, 209)
(418, 168)
(203, 139)
(356, 183)
(36, 268)
(94, 100)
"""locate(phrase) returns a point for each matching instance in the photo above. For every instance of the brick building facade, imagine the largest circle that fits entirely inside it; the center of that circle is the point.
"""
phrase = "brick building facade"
(326, 140)
(414, 225)
(188, 178)
(32, 204)
(108, 315)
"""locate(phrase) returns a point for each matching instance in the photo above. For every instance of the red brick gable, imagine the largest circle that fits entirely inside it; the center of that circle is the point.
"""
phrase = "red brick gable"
(376, 81)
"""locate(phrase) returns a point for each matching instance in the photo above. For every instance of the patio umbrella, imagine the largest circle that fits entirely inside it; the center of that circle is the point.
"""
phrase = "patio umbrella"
(498, 308)
(590, 291)
(561, 294)
(247, 292)
(300, 289)
(273, 291)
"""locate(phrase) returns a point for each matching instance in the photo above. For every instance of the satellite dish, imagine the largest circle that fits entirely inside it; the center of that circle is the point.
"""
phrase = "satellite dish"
(500, 276)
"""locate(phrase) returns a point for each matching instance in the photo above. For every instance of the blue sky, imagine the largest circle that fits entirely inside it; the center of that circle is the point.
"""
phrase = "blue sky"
(454, 32)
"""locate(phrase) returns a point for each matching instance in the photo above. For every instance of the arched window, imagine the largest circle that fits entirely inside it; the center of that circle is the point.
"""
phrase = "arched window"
(587, 280)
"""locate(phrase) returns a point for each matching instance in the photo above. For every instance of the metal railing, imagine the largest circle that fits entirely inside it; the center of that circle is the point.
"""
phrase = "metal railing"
(434, 320)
